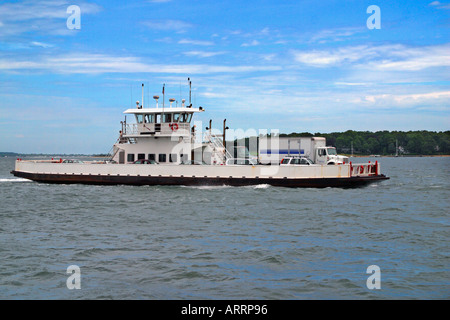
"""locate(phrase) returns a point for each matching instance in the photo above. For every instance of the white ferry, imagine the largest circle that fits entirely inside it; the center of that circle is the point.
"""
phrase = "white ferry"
(163, 147)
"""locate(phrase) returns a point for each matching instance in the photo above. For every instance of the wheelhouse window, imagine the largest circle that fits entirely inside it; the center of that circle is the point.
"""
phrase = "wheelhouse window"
(150, 118)
(176, 117)
(139, 118)
(167, 117)
(185, 117)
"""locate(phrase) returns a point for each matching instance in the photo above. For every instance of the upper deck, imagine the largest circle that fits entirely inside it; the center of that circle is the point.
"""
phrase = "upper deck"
(160, 121)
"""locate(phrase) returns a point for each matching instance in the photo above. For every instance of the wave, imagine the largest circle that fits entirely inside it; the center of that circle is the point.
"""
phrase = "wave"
(261, 186)
(207, 187)
(15, 180)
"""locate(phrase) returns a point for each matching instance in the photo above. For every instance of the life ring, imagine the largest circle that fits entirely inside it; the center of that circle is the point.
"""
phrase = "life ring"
(174, 126)
(361, 169)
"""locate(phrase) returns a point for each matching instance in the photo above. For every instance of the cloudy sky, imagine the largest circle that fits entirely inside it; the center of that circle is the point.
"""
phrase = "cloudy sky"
(294, 66)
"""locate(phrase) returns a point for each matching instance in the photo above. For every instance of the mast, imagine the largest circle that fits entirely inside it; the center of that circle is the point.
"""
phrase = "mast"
(190, 84)
(163, 93)
(162, 116)
(142, 95)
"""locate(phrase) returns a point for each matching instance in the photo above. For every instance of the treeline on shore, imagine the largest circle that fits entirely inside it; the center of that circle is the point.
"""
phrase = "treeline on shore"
(385, 142)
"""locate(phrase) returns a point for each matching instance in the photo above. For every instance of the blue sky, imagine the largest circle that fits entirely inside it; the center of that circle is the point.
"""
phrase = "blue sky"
(294, 66)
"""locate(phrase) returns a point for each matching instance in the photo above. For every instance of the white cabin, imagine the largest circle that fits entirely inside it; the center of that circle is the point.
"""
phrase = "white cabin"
(161, 134)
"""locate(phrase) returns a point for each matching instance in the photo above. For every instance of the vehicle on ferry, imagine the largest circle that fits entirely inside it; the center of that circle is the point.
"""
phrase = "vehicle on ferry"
(295, 160)
(274, 149)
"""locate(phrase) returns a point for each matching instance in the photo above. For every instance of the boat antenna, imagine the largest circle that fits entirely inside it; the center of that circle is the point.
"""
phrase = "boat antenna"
(163, 93)
(142, 95)
(190, 83)
(163, 103)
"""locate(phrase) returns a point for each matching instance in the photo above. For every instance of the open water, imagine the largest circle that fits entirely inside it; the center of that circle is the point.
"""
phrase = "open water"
(257, 242)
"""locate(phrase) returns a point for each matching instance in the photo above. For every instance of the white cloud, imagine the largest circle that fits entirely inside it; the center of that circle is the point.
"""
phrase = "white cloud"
(250, 44)
(324, 58)
(384, 57)
(407, 100)
(334, 35)
(203, 54)
(196, 42)
(41, 44)
(439, 5)
(98, 63)
(414, 59)
(39, 16)
(178, 26)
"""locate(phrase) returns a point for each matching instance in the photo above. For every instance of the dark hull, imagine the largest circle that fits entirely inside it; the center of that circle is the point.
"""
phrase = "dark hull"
(198, 181)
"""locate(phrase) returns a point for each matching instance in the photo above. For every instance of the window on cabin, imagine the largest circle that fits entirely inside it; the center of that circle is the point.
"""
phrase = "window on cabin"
(158, 117)
(189, 117)
(151, 156)
(139, 118)
(162, 157)
(168, 117)
(172, 157)
(141, 156)
(150, 118)
(130, 157)
(176, 117)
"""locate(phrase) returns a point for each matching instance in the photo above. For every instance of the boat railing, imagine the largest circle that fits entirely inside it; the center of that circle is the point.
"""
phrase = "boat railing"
(131, 129)
(364, 169)
(61, 160)
(160, 128)
(216, 140)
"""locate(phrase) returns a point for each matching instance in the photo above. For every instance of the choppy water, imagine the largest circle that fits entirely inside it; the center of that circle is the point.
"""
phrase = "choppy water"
(256, 242)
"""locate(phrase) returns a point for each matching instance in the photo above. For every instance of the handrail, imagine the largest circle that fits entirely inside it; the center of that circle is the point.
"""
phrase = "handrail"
(364, 169)
(216, 141)
(162, 128)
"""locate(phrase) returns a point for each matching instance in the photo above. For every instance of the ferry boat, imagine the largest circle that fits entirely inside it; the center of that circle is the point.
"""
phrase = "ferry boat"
(163, 147)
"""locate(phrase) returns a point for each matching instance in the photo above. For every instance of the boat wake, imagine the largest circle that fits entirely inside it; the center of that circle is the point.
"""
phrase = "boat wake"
(208, 187)
(259, 186)
(15, 180)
